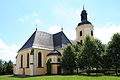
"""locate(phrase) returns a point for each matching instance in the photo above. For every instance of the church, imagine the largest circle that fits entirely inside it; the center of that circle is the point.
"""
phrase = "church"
(41, 46)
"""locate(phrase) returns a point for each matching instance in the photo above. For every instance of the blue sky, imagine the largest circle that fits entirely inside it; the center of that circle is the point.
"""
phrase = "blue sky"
(19, 17)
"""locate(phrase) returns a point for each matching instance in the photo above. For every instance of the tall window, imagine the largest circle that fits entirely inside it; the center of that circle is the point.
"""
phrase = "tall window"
(39, 60)
(28, 60)
(91, 33)
(21, 61)
(80, 33)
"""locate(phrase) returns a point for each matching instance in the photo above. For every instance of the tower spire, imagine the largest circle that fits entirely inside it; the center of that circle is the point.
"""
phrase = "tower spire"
(83, 15)
(83, 7)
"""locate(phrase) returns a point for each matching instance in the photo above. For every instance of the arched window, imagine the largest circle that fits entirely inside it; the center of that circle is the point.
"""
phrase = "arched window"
(21, 61)
(28, 60)
(39, 60)
(91, 33)
(80, 33)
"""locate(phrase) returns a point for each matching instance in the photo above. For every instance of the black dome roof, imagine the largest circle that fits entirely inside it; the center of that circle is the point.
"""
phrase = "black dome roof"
(84, 22)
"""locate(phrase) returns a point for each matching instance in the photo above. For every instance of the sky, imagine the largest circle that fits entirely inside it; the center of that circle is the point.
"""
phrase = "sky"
(18, 19)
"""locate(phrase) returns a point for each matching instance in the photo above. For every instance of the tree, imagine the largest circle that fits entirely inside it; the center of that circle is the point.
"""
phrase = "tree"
(97, 56)
(48, 64)
(1, 66)
(91, 53)
(9, 68)
(105, 60)
(68, 61)
(77, 48)
(87, 53)
(4, 67)
(113, 51)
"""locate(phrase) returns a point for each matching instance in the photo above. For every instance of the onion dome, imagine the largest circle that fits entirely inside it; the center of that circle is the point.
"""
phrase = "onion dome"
(84, 18)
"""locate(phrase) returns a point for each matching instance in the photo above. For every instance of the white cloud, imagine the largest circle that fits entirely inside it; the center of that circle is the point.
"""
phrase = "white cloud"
(21, 20)
(30, 18)
(106, 32)
(72, 35)
(54, 29)
(37, 21)
(8, 52)
(36, 14)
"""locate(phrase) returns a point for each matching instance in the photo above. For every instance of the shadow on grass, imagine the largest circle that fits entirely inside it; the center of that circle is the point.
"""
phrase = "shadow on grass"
(20, 76)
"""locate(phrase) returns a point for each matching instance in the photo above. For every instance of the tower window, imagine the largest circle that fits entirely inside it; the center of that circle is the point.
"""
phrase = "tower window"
(21, 61)
(39, 60)
(91, 33)
(28, 60)
(81, 41)
(80, 33)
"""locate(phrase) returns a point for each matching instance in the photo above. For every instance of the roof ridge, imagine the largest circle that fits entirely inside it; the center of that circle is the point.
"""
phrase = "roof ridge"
(34, 38)
(43, 32)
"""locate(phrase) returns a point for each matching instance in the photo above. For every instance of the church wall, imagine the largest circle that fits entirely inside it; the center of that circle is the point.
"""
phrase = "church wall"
(27, 71)
(41, 70)
(38, 71)
(18, 69)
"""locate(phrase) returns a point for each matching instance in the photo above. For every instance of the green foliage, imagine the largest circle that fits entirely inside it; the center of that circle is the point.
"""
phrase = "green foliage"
(87, 53)
(9, 67)
(97, 56)
(1, 66)
(6, 68)
(91, 54)
(77, 48)
(48, 64)
(113, 52)
(68, 62)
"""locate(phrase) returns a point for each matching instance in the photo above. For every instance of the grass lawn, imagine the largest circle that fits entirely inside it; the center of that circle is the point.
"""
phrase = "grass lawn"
(60, 77)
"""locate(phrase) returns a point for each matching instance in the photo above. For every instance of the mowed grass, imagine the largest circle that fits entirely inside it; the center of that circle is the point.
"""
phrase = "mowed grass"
(60, 77)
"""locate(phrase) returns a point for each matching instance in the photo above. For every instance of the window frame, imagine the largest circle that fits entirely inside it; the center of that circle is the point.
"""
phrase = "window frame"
(21, 61)
(28, 60)
(91, 32)
(39, 60)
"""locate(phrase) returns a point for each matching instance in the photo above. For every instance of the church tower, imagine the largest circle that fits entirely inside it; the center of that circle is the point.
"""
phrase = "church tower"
(84, 28)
